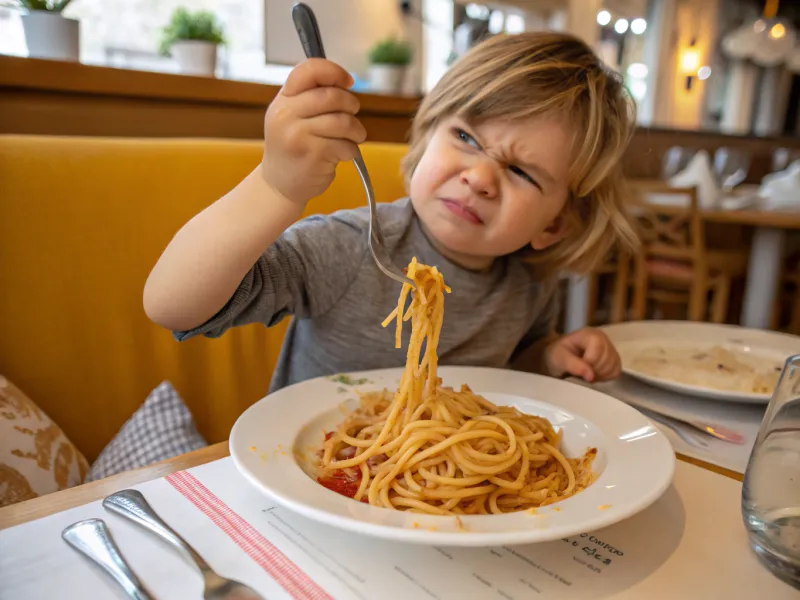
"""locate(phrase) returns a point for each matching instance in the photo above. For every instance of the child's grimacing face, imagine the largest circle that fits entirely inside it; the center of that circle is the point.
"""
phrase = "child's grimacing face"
(488, 190)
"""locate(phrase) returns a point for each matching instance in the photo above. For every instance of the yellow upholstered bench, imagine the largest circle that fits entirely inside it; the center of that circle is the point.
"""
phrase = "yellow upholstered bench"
(82, 221)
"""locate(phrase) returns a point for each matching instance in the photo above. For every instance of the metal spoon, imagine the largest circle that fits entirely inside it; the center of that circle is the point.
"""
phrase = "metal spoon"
(132, 505)
(93, 539)
(306, 24)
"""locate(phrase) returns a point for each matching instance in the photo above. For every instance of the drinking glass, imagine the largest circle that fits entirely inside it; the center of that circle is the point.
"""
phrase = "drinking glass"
(771, 490)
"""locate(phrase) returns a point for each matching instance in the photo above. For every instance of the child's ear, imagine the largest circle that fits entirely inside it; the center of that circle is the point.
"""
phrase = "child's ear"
(555, 232)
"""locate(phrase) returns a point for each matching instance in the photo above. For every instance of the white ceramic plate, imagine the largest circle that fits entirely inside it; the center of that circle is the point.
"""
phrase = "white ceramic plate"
(274, 440)
(634, 337)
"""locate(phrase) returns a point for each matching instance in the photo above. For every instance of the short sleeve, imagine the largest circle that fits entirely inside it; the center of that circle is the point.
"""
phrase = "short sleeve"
(303, 274)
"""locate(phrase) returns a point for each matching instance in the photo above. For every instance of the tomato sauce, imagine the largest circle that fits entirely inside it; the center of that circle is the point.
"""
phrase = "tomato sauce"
(342, 483)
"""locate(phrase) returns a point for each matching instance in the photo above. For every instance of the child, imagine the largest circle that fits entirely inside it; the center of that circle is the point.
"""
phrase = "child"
(513, 172)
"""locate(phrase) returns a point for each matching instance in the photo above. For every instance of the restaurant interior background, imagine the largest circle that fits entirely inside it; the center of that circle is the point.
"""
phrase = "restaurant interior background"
(678, 56)
(715, 82)
(122, 119)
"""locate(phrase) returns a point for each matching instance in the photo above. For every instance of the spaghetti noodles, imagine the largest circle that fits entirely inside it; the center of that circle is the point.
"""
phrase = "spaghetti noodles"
(431, 449)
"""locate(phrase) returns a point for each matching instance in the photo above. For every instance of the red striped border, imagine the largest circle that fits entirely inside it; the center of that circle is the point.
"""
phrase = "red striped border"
(299, 585)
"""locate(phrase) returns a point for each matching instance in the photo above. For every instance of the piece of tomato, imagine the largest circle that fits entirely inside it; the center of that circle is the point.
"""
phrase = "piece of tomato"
(342, 483)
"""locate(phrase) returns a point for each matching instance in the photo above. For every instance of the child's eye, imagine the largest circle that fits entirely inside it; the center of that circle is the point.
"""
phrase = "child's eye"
(465, 137)
(520, 173)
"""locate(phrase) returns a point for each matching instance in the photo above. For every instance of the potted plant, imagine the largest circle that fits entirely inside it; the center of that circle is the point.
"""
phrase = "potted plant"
(388, 60)
(48, 33)
(192, 39)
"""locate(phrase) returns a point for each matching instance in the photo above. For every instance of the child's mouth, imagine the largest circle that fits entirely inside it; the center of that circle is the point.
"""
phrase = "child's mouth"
(462, 211)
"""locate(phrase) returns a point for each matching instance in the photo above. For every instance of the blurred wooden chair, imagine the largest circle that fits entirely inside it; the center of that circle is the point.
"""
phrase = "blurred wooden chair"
(793, 277)
(786, 312)
(615, 271)
(674, 265)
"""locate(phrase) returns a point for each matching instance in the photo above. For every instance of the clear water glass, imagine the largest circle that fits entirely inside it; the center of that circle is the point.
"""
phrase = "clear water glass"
(771, 490)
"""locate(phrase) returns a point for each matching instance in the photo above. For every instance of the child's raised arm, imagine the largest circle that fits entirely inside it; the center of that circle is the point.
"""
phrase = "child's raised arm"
(309, 128)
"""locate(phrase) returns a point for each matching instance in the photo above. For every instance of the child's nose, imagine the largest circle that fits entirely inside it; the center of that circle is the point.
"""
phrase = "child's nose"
(481, 179)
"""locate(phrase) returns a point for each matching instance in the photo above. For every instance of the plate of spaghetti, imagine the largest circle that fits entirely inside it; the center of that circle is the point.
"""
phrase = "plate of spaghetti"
(450, 455)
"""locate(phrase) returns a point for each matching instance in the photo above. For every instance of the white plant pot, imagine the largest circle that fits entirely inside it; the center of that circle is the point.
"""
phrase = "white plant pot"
(386, 79)
(195, 57)
(49, 35)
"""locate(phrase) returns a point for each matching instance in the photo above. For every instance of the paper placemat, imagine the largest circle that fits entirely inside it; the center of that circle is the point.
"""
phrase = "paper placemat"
(691, 541)
(744, 418)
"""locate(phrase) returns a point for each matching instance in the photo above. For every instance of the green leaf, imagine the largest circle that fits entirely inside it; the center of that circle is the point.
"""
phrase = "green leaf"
(45, 5)
(391, 51)
(184, 25)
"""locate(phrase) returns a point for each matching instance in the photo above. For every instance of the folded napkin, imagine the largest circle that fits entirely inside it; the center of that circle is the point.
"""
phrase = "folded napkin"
(699, 174)
(781, 190)
(741, 197)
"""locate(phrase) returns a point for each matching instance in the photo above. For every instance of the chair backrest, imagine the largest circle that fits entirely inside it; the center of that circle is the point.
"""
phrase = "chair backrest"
(672, 252)
(669, 223)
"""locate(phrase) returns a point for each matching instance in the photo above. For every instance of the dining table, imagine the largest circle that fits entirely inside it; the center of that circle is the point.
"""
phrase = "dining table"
(49, 504)
(691, 541)
(688, 538)
(765, 263)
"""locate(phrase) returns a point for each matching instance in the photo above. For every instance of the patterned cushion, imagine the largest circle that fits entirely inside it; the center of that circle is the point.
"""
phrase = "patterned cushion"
(162, 428)
(36, 458)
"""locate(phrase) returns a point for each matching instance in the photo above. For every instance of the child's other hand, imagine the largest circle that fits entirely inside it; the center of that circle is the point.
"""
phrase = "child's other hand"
(309, 128)
(586, 353)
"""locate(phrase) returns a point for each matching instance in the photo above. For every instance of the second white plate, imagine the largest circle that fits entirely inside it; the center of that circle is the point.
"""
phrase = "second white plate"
(634, 337)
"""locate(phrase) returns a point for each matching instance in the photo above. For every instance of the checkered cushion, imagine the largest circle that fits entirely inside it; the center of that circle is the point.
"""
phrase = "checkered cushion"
(162, 428)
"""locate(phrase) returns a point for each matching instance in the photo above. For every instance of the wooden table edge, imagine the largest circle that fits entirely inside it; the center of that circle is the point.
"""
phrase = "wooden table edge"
(36, 508)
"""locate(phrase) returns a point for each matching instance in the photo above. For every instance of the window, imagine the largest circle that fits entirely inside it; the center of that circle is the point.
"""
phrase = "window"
(126, 33)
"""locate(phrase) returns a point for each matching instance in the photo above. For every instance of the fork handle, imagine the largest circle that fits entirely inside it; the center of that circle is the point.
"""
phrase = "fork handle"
(306, 25)
(93, 539)
(311, 39)
(674, 425)
(131, 504)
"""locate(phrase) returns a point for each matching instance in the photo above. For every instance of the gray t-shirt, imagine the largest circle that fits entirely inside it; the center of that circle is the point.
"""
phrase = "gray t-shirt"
(320, 272)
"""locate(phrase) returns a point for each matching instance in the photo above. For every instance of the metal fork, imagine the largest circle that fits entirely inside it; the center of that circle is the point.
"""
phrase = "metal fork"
(306, 24)
(713, 429)
(132, 505)
(686, 436)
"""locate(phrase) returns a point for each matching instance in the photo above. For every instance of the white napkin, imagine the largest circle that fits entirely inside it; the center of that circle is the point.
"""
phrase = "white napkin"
(699, 174)
(741, 197)
(781, 190)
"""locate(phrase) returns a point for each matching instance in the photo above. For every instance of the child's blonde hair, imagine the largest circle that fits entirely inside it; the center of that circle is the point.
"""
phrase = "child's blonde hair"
(538, 73)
